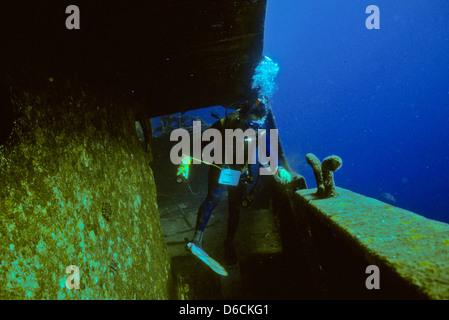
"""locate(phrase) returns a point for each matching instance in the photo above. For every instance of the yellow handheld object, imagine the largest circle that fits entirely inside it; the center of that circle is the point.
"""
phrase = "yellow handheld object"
(183, 169)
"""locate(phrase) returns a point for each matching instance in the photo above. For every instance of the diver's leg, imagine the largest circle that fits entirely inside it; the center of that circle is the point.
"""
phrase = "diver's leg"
(234, 200)
(213, 197)
(205, 211)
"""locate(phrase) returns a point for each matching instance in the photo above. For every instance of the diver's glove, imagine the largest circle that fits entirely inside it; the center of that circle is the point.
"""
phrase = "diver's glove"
(282, 175)
(183, 168)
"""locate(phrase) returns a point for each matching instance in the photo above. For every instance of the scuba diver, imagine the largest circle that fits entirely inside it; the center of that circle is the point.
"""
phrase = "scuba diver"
(250, 115)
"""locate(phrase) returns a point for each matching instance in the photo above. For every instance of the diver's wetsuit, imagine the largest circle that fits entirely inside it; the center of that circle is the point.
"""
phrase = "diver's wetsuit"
(215, 191)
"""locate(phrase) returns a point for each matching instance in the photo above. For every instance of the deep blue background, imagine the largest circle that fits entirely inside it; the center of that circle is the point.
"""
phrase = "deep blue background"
(379, 99)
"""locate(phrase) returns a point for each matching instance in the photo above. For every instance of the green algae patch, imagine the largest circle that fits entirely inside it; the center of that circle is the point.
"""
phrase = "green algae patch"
(76, 189)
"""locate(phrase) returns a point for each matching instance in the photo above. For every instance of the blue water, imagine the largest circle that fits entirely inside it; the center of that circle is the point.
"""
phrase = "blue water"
(379, 99)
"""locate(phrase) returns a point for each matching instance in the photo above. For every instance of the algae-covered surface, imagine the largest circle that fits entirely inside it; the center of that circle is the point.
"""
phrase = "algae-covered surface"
(76, 189)
(415, 247)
